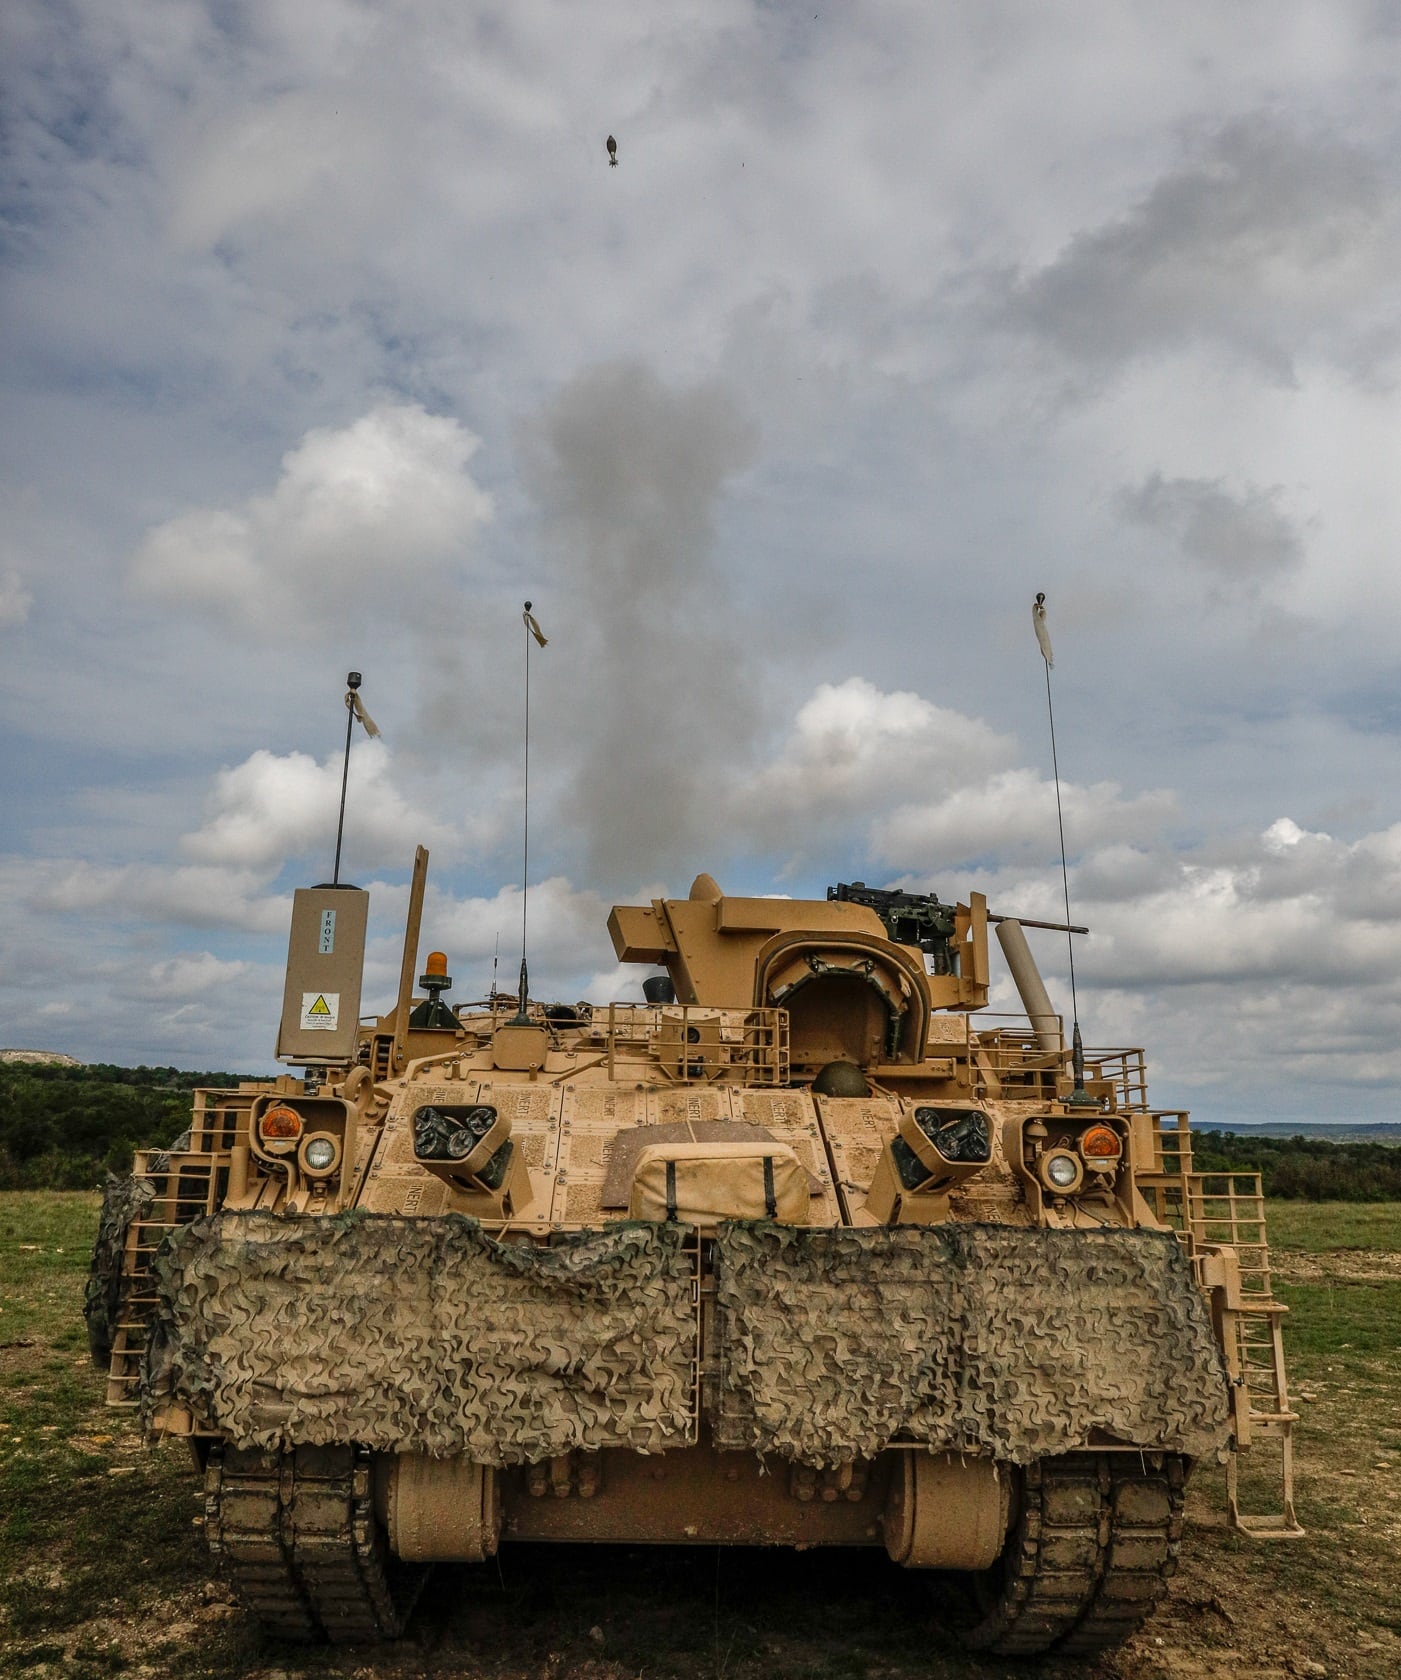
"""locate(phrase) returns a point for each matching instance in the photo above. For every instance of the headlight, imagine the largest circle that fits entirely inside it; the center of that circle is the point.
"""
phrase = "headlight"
(320, 1153)
(279, 1128)
(1061, 1171)
(1101, 1144)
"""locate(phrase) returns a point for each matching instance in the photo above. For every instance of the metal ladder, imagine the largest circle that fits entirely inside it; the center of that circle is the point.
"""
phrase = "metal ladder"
(185, 1184)
(184, 1187)
(1227, 1209)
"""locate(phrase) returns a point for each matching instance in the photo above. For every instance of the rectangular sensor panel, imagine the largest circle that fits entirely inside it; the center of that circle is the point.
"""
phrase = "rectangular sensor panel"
(325, 960)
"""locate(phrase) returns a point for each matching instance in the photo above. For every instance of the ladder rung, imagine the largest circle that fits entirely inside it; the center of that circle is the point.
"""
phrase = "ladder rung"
(1269, 1528)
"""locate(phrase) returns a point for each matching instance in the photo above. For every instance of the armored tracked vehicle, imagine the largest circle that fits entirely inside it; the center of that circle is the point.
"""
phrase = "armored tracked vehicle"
(806, 1250)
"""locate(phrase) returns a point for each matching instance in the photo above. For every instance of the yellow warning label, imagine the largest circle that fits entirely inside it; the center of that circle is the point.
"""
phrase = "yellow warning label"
(320, 1011)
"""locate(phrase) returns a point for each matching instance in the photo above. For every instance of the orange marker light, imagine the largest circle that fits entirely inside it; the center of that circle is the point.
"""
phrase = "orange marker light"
(280, 1122)
(437, 963)
(1101, 1143)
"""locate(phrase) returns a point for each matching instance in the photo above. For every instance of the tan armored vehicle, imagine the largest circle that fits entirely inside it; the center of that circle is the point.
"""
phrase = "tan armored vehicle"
(803, 1251)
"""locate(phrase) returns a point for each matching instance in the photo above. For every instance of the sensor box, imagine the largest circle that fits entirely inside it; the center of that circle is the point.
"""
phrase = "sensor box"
(325, 962)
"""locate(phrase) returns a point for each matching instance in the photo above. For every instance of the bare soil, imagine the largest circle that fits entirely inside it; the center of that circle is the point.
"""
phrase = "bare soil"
(102, 1568)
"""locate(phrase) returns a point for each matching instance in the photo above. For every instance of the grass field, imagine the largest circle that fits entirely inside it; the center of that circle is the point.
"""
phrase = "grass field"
(102, 1569)
(1327, 1227)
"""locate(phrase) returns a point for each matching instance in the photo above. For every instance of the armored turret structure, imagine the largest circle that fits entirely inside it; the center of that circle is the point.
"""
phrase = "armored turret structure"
(809, 1249)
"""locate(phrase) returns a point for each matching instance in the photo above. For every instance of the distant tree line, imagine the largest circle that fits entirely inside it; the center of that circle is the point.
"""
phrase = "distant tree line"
(1305, 1169)
(65, 1128)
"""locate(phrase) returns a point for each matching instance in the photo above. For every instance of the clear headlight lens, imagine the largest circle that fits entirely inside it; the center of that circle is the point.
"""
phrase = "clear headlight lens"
(320, 1153)
(1062, 1170)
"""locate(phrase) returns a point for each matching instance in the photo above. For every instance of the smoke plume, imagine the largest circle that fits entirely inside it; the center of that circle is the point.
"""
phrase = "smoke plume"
(647, 659)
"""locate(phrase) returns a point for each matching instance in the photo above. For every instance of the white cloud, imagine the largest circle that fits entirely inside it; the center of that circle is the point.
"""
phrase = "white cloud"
(379, 509)
(1275, 909)
(274, 807)
(161, 894)
(567, 933)
(186, 979)
(1121, 872)
(1283, 835)
(1262, 975)
(299, 155)
(1011, 814)
(622, 983)
(851, 751)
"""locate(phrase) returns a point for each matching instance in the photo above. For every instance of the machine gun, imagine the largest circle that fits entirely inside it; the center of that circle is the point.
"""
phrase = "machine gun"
(910, 919)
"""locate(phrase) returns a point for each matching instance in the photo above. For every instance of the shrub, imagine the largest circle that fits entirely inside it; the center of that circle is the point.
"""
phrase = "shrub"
(1305, 1169)
(65, 1128)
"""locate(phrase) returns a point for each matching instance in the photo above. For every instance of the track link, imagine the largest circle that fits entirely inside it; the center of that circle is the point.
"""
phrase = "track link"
(1091, 1553)
(297, 1536)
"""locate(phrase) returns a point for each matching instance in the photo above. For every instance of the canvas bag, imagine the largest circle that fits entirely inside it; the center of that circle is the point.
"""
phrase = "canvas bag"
(705, 1183)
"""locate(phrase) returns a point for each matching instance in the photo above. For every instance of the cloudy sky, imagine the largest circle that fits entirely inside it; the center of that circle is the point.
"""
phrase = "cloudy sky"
(330, 336)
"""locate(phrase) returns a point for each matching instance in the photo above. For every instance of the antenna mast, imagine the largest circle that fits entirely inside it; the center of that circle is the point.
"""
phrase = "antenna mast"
(354, 708)
(532, 633)
(1043, 637)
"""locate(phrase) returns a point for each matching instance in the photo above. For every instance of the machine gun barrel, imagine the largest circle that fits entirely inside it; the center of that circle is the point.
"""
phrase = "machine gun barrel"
(1051, 927)
(922, 913)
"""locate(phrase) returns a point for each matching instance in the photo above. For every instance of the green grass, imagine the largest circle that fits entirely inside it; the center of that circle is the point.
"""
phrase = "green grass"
(1335, 1595)
(1319, 1227)
(92, 1524)
(1358, 1318)
(45, 1242)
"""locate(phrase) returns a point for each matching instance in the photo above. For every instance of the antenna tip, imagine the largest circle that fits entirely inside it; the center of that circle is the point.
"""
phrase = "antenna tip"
(528, 605)
(353, 679)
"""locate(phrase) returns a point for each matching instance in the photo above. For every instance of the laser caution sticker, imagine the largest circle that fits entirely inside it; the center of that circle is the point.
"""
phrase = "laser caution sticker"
(320, 1011)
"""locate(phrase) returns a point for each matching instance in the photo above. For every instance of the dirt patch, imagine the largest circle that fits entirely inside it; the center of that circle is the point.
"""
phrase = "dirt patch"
(1341, 1265)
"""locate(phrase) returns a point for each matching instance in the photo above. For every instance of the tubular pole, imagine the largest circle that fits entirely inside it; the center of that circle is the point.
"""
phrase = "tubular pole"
(525, 827)
(1064, 873)
(345, 778)
(1077, 1049)
(413, 926)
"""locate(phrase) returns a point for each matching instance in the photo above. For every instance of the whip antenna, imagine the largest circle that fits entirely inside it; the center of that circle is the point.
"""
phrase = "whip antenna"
(354, 708)
(1043, 639)
(533, 633)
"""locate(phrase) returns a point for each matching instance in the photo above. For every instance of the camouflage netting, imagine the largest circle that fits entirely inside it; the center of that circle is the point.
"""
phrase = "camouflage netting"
(426, 1334)
(122, 1200)
(977, 1338)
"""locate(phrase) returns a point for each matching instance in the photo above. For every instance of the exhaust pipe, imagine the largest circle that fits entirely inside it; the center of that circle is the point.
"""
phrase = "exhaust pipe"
(1030, 986)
